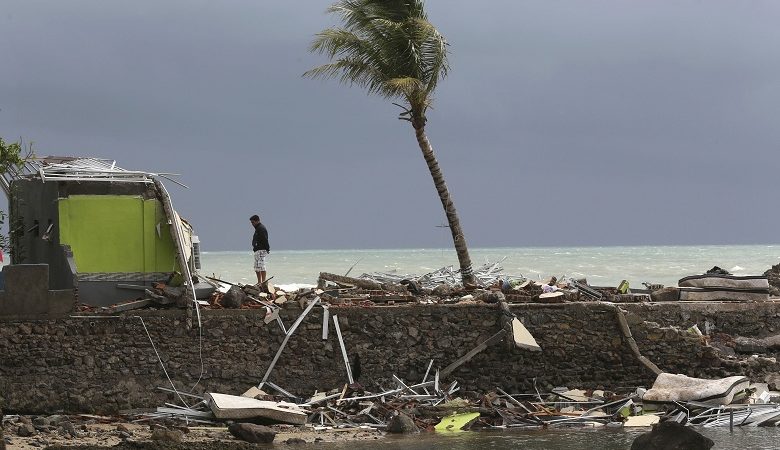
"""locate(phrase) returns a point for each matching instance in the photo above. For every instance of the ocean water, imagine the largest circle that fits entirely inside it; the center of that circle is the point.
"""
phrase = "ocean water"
(557, 439)
(601, 266)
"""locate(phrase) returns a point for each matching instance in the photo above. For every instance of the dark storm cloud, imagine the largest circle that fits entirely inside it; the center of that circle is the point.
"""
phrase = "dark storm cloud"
(562, 123)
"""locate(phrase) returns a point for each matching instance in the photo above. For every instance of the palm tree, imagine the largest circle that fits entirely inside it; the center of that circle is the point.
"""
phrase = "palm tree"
(389, 48)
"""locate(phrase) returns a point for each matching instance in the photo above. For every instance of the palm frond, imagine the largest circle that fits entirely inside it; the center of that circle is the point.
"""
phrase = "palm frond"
(353, 72)
(386, 46)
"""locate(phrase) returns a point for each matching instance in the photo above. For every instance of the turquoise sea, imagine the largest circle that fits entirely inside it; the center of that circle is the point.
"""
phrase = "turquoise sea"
(602, 266)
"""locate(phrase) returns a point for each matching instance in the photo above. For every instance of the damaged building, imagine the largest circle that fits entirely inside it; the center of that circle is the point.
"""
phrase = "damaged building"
(103, 232)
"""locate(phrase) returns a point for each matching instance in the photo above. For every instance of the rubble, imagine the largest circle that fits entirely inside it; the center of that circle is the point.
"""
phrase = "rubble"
(440, 286)
(436, 401)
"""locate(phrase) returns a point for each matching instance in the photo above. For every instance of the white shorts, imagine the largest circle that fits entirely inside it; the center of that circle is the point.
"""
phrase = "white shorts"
(260, 257)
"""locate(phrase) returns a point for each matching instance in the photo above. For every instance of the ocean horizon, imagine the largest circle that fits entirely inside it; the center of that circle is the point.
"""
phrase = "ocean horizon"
(600, 265)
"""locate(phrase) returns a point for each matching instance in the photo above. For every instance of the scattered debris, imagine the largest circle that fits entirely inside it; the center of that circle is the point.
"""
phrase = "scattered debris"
(437, 287)
(436, 401)
(456, 422)
(680, 388)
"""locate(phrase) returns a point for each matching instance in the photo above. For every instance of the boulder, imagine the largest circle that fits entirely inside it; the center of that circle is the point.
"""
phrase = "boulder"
(162, 435)
(442, 290)
(667, 294)
(295, 441)
(773, 381)
(57, 419)
(723, 348)
(249, 432)
(68, 429)
(671, 436)
(25, 430)
(402, 424)
(489, 297)
(756, 345)
(233, 298)
(40, 423)
(749, 345)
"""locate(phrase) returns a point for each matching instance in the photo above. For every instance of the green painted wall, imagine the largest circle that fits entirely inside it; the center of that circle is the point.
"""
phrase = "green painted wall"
(116, 233)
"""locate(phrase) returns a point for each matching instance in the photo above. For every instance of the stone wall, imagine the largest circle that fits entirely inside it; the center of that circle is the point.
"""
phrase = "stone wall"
(740, 319)
(103, 365)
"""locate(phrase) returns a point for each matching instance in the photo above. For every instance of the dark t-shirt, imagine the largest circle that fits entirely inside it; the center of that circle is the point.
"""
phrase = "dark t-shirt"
(260, 239)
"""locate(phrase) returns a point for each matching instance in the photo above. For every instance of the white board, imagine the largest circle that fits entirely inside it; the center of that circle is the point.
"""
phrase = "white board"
(522, 337)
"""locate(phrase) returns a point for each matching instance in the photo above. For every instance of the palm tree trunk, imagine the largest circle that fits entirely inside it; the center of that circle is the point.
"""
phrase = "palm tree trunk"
(461, 249)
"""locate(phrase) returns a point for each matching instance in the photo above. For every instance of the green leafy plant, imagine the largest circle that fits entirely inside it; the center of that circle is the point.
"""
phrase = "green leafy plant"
(13, 155)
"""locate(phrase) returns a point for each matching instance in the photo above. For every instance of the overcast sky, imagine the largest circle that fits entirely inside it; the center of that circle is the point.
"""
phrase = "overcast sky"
(562, 122)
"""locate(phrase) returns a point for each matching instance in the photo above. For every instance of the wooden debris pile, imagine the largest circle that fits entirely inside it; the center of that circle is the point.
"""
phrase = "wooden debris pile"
(428, 403)
(171, 294)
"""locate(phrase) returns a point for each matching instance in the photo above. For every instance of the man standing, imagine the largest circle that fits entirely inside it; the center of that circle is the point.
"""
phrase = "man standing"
(260, 247)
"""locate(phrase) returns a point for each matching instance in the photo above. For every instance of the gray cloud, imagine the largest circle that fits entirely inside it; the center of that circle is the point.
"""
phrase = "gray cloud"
(562, 123)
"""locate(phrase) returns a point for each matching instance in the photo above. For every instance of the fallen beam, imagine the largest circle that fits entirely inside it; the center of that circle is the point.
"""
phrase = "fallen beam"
(343, 349)
(361, 283)
(287, 338)
(463, 359)
(129, 306)
(341, 279)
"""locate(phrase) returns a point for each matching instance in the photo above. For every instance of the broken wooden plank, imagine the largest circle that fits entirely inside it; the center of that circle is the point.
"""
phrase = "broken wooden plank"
(513, 400)
(280, 390)
(132, 287)
(363, 284)
(315, 399)
(159, 299)
(325, 321)
(522, 337)
(343, 350)
(271, 315)
(185, 412)
(463, 359)
(129, 305)
(287, 338)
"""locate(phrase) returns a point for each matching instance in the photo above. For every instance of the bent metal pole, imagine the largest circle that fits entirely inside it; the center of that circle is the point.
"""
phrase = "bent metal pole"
(286, 338)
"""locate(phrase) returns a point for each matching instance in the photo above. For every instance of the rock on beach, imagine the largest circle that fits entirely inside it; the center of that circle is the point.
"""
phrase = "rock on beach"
(672, 436)
(249, 432)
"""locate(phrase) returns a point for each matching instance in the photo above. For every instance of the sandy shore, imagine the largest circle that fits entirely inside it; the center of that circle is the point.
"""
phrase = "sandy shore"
(92, 433)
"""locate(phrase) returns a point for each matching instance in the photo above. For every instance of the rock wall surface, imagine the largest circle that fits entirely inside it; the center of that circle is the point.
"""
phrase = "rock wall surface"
(104, 365)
